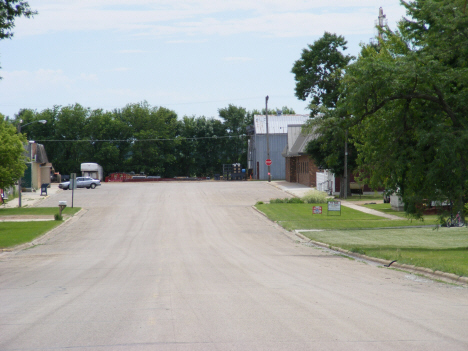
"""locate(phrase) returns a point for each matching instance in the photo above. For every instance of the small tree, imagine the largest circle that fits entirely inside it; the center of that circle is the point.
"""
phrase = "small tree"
(12, 159)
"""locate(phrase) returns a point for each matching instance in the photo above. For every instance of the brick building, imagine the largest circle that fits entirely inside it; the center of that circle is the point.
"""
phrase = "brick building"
(300, 168)
(278, 138)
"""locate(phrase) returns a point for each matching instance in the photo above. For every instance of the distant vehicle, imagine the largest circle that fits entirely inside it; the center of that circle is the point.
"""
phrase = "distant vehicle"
(82, 182)
(92, 170)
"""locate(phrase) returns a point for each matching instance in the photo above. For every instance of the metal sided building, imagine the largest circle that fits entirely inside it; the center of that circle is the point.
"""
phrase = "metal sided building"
(278, 139)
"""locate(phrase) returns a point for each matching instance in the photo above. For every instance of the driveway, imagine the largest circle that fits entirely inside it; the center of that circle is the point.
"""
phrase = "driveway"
(191, 266)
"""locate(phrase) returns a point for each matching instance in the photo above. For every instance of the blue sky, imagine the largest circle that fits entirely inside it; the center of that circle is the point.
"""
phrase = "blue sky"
(191, 56)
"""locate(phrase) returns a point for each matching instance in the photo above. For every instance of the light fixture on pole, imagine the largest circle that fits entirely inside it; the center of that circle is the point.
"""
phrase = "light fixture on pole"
(43, 121)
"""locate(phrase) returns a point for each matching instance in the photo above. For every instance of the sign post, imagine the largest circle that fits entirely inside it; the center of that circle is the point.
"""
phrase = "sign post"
(72, 185)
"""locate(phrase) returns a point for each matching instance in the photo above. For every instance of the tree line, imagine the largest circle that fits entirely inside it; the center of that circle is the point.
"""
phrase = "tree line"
(140, 138)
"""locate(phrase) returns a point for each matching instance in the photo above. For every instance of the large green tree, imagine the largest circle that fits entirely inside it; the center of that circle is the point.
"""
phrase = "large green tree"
(318, 74)
(236, 119)
(319, 71)
(201, 150)
(408, 99)
(12, 159)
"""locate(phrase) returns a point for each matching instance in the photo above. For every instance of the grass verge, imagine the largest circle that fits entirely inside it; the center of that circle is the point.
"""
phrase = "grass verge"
(387, 208)
(299, 216)
(16, 233)
(27, 211)
(445, 249)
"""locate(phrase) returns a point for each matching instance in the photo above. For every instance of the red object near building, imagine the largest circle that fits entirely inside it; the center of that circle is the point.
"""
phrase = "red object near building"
(118, 177)
(268, 162)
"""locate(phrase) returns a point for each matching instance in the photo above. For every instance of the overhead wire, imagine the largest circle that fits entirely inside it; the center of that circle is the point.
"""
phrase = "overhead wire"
(132, 140)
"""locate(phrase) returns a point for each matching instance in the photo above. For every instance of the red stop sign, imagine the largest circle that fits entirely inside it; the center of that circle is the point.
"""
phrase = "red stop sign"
(268, 162)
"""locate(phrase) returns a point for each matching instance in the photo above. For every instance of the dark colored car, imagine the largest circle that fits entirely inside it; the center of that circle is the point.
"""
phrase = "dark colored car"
(82, 182)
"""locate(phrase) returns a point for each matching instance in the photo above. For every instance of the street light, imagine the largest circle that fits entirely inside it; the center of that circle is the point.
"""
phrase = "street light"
(43, 121)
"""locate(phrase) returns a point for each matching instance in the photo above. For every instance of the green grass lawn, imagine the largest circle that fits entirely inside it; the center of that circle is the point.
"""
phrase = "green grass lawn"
(387, 208)
(16, 233)
(444, 249)
(299, 216)
(37, 211)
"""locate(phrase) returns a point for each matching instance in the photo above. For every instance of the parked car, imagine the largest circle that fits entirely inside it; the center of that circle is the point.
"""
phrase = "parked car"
(82, 182)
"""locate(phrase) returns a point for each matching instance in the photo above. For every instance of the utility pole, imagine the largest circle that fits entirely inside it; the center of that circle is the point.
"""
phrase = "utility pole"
(268, 138)
(20, 180)
(345, 176)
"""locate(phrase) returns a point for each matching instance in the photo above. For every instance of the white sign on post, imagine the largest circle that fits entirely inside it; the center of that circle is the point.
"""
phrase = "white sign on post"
(334, 206)
(72, 185)
(72, 181)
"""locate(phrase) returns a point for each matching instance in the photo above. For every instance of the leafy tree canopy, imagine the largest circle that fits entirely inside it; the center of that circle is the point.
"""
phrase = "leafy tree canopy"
(9, 10)
(318, 75)
(12, 159)
(408, 100)
(319, 71)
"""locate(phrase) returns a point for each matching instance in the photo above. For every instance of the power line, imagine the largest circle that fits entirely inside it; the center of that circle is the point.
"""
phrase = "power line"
(138, 140)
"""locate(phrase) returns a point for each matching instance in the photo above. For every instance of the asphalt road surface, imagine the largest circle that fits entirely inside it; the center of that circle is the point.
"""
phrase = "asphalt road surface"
(191, 266)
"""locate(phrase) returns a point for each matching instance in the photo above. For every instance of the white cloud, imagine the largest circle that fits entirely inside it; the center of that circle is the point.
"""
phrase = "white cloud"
(207, 17)
(41, 77)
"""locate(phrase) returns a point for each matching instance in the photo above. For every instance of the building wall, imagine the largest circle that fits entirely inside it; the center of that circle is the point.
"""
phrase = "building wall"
(291, 175)
(45, 175)
(301, 169)
(278, 167)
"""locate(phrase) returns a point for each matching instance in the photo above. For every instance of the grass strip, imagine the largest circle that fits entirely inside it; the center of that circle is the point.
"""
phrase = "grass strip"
(445, 249)
(299, 216)
(16, 233)
(387, 208)
(17, 211)
(445, 260)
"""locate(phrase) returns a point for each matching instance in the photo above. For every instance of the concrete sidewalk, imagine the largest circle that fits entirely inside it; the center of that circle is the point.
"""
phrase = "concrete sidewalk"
(299, 190)
(294, 189)
(31, 199)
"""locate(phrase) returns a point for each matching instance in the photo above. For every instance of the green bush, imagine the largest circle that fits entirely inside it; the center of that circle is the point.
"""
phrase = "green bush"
(315, 197)
(259, 203)
(295, 200)
(58, 217)
(279, 201)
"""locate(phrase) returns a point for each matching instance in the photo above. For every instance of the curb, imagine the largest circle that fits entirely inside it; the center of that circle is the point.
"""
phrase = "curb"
(388, 264)
(419, 270)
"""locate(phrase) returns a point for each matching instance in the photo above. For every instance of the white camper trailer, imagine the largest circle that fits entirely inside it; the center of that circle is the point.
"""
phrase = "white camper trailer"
(92, 170)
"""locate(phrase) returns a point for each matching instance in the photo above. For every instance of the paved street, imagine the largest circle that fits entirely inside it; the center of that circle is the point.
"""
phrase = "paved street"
(191, 266)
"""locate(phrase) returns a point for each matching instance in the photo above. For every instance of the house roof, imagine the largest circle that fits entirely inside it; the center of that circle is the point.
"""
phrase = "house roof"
(38, 152)
(297, 141)
(277, 124)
